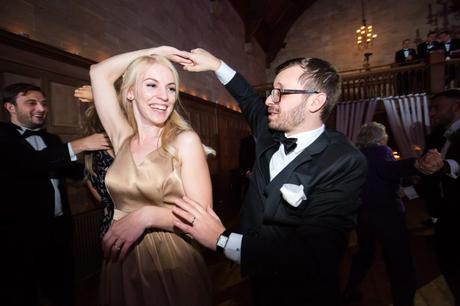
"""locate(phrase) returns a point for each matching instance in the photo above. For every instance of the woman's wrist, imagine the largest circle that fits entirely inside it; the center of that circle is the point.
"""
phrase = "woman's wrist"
(147, 216)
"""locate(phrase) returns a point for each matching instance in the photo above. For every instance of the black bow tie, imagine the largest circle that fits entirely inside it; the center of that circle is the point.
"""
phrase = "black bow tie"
(289, 143)
(29, 133)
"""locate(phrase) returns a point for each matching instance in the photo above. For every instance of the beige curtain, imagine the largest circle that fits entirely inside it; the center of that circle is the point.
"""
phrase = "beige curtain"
(409, 122)
(351, 115)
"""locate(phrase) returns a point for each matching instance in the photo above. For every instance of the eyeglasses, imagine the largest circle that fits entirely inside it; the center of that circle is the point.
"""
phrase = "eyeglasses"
(276, 93)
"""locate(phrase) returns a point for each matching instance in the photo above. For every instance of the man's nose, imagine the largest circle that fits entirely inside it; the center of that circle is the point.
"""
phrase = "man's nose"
(41, 107)
(269, 101)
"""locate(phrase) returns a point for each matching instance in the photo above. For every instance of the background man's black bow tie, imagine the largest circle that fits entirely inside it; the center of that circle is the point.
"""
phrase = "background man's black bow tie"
(29, 133)
(289, 143)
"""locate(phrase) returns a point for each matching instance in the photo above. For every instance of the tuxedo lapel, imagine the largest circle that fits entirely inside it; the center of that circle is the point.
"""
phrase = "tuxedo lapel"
(14, 131)
(264, 155)
(272, 189)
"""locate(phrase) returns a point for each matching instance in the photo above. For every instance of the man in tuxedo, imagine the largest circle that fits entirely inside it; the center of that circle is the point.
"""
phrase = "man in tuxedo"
(430, 44)
(406, 55)
(441, 191)
(35, 222)
(450, 45)
(304, 192)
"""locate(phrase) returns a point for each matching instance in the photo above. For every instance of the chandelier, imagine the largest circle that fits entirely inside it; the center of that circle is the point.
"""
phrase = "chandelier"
(364, 34)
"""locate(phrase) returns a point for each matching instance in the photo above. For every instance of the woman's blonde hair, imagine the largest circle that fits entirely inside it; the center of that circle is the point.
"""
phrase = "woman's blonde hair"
(91, 125)
(176, 123)
(371, 134)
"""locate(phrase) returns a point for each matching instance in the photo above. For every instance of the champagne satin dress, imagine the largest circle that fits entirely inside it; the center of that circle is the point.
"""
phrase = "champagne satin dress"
(163, 268)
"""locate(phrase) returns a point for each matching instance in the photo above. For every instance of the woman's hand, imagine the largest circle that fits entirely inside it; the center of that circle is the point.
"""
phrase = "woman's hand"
(84, 94)
(173, 54)
(123, 233)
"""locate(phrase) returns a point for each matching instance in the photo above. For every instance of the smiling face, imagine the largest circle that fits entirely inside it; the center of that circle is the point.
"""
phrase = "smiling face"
(30, 109)
(154, 95)
(292, 111)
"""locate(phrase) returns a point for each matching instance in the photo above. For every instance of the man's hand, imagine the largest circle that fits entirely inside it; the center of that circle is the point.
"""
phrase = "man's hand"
(202, 224)
(202, 60)
(429, 163)
(173, 54)
(94, 142)
(84, 94)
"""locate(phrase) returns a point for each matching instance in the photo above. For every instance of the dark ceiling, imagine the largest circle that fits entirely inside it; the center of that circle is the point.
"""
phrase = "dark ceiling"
(268, 21)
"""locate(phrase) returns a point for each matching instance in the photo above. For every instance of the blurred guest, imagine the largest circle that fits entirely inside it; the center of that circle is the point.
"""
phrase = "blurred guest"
(450, 45)
(406, 55)
(442, 190)
(96, 162)
(430, 44)
(382, 217)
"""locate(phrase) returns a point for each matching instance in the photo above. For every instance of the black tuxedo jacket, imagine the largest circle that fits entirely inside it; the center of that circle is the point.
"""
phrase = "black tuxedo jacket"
(304, 242)
(399, 56)
(247, 153)
(440, 191)
(454, 46)
(422, 49)
(27, 192)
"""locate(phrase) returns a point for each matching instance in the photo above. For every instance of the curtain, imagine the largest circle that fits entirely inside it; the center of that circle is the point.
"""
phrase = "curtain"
(408, 117)
(409, 120)
(351, 115)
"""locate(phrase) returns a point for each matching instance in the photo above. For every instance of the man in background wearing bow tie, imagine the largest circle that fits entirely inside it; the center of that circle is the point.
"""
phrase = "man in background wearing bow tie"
(406, 55)
(450, 45)
(441, 191)
(304, 191)
(429, 45)
(35, 220)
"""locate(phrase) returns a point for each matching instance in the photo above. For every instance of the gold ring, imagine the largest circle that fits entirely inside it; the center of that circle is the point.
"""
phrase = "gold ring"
(193, 220)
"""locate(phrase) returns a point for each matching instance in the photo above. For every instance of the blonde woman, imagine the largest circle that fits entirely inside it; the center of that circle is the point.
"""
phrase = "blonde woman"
(158, 158)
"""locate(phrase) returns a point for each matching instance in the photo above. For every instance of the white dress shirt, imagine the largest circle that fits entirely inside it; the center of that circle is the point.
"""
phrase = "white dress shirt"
(278, 162)
(38, 144)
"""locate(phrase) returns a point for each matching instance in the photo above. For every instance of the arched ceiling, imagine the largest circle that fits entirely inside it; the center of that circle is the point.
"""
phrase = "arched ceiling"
(268, 21)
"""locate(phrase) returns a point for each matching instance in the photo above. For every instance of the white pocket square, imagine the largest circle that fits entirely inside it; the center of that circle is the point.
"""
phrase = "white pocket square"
(293, 194)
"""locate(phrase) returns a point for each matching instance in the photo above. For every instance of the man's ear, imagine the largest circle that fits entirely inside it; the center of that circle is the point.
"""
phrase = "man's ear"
(10, 107)
(318, 102)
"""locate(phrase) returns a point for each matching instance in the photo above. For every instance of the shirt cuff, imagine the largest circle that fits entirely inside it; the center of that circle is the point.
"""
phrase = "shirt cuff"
(233, 247)
(72, 155)
(454, 168)
(225, 74)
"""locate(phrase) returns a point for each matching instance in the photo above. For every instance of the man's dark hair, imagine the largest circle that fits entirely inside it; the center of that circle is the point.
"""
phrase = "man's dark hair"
(11, 92)
(431, 33)
(318, 75)
(407, 39)
(444, 32)
(453, 94)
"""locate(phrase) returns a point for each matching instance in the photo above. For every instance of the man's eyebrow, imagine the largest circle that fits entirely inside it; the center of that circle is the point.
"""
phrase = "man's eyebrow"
(35, 100)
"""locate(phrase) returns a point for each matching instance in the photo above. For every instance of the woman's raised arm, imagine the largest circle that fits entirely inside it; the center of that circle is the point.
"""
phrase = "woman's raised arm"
(103, 76)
